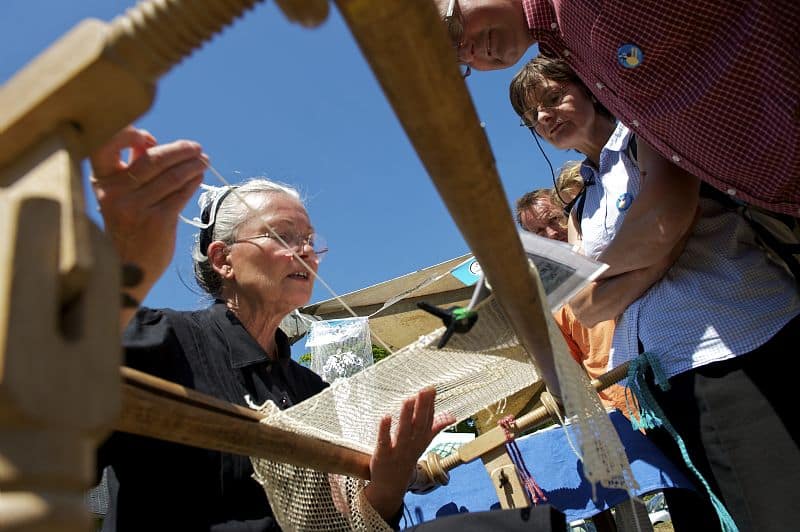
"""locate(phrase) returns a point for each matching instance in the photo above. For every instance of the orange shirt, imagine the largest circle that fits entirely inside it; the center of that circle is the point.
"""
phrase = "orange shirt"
(590, 348)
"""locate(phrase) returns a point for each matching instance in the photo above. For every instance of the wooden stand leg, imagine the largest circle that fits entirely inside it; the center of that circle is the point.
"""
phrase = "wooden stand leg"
(59, 350)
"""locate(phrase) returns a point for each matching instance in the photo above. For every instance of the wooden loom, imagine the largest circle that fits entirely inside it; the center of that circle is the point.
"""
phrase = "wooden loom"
(59, 344)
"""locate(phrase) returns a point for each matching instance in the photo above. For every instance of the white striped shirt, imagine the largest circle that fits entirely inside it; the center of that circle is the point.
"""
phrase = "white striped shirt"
(722, 297)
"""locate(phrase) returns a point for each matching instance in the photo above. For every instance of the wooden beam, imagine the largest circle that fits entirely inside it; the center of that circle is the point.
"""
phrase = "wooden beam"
(100, 77)
(164, 410)
(407, 47)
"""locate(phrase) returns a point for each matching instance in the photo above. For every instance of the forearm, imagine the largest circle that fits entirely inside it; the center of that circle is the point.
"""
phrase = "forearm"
(608, 298)
(132, 296)
(647, 238)
(386, 502)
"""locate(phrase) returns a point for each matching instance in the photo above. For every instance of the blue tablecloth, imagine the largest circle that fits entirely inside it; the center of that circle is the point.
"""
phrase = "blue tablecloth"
(558, 472)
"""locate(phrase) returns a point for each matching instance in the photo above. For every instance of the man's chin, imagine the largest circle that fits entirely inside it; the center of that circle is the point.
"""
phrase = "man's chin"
(508, 61)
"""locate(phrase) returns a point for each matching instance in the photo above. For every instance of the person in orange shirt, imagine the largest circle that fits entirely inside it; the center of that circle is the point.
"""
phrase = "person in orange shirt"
(542, 212)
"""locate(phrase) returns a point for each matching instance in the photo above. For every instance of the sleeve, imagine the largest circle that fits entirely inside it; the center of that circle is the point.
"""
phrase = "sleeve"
(563, 320)
(151, 346)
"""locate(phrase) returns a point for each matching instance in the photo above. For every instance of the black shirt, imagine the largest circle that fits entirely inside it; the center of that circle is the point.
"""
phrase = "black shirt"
(159, 485)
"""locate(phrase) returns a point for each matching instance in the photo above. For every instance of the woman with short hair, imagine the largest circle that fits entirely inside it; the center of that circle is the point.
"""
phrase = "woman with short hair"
(256, 255)
(688, 283)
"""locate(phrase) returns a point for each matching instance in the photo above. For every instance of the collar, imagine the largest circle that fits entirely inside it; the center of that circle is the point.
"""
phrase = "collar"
(243, 350)
(587, 173)
(618, 141)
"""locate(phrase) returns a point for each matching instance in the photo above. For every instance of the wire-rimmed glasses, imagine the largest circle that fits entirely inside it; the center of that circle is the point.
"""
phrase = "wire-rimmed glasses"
(552, 98)
(454, 20)
(294, 242)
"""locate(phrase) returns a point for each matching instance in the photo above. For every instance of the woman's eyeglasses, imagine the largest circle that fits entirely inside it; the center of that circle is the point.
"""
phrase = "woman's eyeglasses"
(552, 98)
(294, 243)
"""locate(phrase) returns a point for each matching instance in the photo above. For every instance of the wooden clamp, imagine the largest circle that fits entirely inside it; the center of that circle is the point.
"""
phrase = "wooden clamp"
(59, 278)
(59, 342)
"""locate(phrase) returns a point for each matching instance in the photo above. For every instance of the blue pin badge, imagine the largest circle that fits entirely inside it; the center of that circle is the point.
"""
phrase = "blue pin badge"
(630, 56)
(624, 202)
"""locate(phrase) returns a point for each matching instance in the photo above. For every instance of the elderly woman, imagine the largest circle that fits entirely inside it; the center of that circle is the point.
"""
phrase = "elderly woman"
(719, 320)
(232, 350)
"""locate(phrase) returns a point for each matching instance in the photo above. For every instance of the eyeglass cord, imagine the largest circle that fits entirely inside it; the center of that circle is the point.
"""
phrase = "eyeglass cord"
(552, 172)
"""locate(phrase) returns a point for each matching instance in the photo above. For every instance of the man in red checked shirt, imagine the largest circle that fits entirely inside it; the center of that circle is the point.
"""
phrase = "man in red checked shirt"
(712, 91)
(712, 86)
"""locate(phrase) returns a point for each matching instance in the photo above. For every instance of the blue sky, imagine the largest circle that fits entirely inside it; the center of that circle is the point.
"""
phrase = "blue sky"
(301, 106)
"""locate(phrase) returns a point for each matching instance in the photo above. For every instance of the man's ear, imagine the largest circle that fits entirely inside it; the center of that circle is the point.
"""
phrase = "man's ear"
(218, 258)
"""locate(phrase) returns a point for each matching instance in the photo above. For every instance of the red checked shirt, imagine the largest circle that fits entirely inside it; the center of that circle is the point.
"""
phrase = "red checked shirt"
(713, 86)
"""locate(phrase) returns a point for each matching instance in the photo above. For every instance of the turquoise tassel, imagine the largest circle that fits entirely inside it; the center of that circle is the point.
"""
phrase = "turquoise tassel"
(651, 416)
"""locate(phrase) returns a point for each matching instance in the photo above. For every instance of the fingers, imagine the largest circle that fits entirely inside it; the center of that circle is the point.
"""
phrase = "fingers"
(405, 423)
(424, 409)
(164, 175)
(417, 424)
(171, 172)
(176, 201)
(427, 422)
(139, 149)
(441, 421)
(164, 158)
(106, 160)
(384, 442)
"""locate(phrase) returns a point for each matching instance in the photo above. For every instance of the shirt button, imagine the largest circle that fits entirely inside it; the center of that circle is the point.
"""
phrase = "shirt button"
(565, 53)
(554, 25)
(676, 159)
(731, 191)
(635, 123)
(599, 85)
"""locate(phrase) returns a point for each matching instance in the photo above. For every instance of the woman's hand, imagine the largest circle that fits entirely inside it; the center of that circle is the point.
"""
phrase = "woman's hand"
(608, 298)
(140, 199)
(396, 455)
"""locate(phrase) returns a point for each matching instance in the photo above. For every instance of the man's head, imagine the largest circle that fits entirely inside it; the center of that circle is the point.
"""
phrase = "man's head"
(494, 33)
(538, 213)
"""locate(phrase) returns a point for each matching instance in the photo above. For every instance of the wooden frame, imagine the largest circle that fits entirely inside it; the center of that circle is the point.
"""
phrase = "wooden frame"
(57, 342)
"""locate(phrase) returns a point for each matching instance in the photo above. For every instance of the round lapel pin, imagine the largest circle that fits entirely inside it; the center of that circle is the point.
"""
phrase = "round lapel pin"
(630, 56)
(624, 202)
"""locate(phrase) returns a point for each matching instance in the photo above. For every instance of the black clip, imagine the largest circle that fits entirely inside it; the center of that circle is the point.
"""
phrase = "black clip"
(456, 319)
